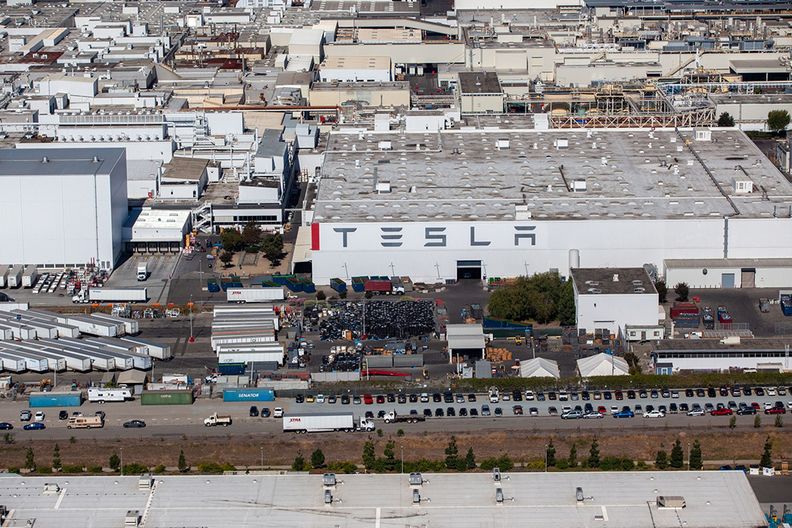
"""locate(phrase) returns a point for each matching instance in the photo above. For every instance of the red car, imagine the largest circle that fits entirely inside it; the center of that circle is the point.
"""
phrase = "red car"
(380, 399)
(367, 399)
(724, 411)
(775, 410)
(755, 405)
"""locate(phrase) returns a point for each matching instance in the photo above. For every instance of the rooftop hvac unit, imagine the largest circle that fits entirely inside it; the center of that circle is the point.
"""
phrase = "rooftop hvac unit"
(329, 479)
(671, 501)
(328, 497)
(496, 474)
(499, 495)
(416, 497)
(416, 479)
(579, 494)
(132, 519)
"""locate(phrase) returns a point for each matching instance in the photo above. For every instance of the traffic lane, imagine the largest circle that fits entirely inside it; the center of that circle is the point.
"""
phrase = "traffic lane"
(273, 426)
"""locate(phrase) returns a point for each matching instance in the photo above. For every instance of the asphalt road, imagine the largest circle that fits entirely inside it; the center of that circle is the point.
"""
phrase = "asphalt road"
(188, 420)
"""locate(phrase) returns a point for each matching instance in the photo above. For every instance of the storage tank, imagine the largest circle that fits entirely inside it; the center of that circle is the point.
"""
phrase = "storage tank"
(574, 258)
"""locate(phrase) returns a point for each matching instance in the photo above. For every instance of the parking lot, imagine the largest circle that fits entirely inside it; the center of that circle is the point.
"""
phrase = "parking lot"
(743, 305)
(160, 269)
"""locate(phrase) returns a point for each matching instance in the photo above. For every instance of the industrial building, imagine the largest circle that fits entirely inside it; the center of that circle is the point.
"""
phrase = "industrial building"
(642, 499)
(62, 207)
(727, 355)
(456, 204)
(730, 273)
(608, 300)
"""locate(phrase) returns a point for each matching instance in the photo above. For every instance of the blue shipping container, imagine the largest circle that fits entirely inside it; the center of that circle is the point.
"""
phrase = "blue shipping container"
(56, 399)
(231, 369)
(241, 395)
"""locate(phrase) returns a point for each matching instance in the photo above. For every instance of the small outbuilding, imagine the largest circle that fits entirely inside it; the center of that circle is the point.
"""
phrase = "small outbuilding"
(540, 368)
(602, 365)
(465, 340)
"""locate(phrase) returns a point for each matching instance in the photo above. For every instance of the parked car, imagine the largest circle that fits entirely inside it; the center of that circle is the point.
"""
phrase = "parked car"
(723, 411)
(624, 414)
(39, 416)
(450, 411)
(254, 412)
(775, 410)
(5, 426)
(438, 412)
(517, 410)
(25, 415)
(134, 424)
(277, 412)
(63, 415)
(592, 414)
(533, 411)
(34, 426)
(654, 414)
(485, 410)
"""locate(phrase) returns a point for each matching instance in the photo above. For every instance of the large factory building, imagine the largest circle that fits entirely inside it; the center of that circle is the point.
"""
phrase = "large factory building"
(499, 203)
(62, 207)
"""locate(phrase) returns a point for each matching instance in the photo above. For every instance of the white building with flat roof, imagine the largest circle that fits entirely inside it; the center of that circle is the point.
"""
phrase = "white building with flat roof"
(356, 69)
(473, 203)
(62, 207)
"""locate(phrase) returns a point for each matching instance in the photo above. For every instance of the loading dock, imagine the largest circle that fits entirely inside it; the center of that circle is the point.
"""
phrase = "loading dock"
(468, 270)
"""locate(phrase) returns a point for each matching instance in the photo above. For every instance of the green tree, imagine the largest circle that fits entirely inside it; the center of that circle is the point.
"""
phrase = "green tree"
(662, 291)
(369, 454)
(725, 120)
(572, 459)
(299, 463)
(682, 291)
(231, 240)
(182, 464)
(114, 462)
(677, 460)
(452, 454)
(272, 245)
(661, 459)
(767, 454)
(536, 297)
(56, 458)
(470, 459)
(226, 257)
(30, 459)
(777, 120)
(757, 421)
(594, 455)
(696, 461)
(550, 454)
(390, 455)
(251, 235)
(732, 422)
(317, 459)
(566, 305)
(778, 421)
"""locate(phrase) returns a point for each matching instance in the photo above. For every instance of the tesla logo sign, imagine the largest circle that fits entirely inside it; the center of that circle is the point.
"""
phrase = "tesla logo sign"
(395, 236)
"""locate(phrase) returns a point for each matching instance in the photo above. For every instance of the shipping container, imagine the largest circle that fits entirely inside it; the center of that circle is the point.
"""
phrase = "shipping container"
(231, 369)
(19, 330)
(155, 350)
(4, 277)
(91, 325)
(167, 397)
(35, 364)
(282, 279)
(11, 363)
(254, 295)
(359, 284)
(63, 329)
(15, 277)
(117, 295)
(242, 395)
(99, 360)
(378, 286)
(33, 349)
(127, 326)
(688, 321)
(29, 277)
(680, 308)
(56, 399)
(338, 285)
(786, 304)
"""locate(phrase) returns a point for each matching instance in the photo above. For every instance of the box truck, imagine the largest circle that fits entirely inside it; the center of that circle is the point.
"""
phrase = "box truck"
(323, 423)
(142, 271)
(109, 395)
(246, 295)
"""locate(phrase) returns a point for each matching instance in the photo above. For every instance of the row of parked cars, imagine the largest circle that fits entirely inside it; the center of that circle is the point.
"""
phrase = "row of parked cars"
(695, 409)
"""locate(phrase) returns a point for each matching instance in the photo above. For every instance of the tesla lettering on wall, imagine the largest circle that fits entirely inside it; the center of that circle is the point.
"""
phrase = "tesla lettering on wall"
(500, 236)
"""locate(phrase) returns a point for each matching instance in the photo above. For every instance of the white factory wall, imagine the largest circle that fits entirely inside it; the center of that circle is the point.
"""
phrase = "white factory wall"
(602, 243)
(54, 219)
(614, 311)
(355, 75)
(403, 53)
(775, 277)
(460, 5)
(776, 239)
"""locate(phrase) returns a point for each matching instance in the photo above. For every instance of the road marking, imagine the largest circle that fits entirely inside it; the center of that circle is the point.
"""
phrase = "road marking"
(605, 514)
(377, 522)
(61, 495)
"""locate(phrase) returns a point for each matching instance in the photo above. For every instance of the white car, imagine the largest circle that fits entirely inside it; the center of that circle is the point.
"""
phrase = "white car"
(277, 412)
(505, 396)
(593, 414)
(768, 405)
(320, 398)
(529, 395)
(696, 411)
(39, 416)
(654, 414)
(424, 397)
(770, 391)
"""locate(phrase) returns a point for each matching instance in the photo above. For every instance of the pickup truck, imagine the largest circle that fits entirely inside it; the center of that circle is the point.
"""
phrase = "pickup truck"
(392, 417)
(216, 419)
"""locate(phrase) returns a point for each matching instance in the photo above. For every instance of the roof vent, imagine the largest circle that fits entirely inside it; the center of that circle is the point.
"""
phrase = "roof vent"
(95, 159)
(45, 159)
(671, 501)
(615, 277)
(594, 290)
(579, 497)
(51, 488)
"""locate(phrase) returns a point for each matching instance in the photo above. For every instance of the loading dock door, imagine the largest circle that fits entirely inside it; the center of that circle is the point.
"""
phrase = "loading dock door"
(727, 280)
(468, 269)
(748, 278)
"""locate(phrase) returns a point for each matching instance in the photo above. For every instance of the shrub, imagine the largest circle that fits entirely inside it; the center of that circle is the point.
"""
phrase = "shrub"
(94, 469)
(214, 468)
(135, 469)
(159, 470)
(74, 468)
(44, 470)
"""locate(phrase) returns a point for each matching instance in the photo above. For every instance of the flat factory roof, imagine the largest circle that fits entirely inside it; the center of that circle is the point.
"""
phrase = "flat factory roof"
(357, 63)
(60, 162)
(159, 218)
(604, 281)
(479, 83)
(712, 499)
(546, 175)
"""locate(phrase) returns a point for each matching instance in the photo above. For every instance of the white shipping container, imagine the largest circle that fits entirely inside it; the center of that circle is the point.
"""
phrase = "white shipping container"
(4, 277)
(254, 295)
(316, 423)
(15, 277)
(36, 364)
(90, 325)
(130, 326)
(117, 295)
(12, 364)
(155, 350)
(29, 277)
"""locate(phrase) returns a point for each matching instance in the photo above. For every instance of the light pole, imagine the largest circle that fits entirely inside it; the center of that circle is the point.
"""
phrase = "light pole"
(546, 461)
(402, 458)
(121, 458)
(190, 307)
(262, 458)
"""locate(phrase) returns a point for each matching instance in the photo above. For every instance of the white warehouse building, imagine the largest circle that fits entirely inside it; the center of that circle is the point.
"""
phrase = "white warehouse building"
(476, 203)
(62, 207)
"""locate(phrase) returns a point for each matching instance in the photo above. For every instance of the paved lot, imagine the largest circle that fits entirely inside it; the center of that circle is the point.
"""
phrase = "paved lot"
(160, 268)
(743, 304)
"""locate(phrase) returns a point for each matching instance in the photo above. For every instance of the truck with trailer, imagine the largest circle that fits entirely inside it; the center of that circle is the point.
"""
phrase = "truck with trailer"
(378, 286)
(109, 395)
(254, 295)
(29, 277)
(98, 295)
(85, 422)
(325, 423)
(142, 271)
(396, 286)
(393, 417)
(216, 419)
(15, 277)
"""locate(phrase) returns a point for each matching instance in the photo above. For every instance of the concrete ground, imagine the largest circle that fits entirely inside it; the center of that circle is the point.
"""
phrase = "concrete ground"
(160, 267)
(743, 305)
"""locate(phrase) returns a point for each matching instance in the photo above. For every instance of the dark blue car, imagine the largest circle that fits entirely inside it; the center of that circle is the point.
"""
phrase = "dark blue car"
(34, 426)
